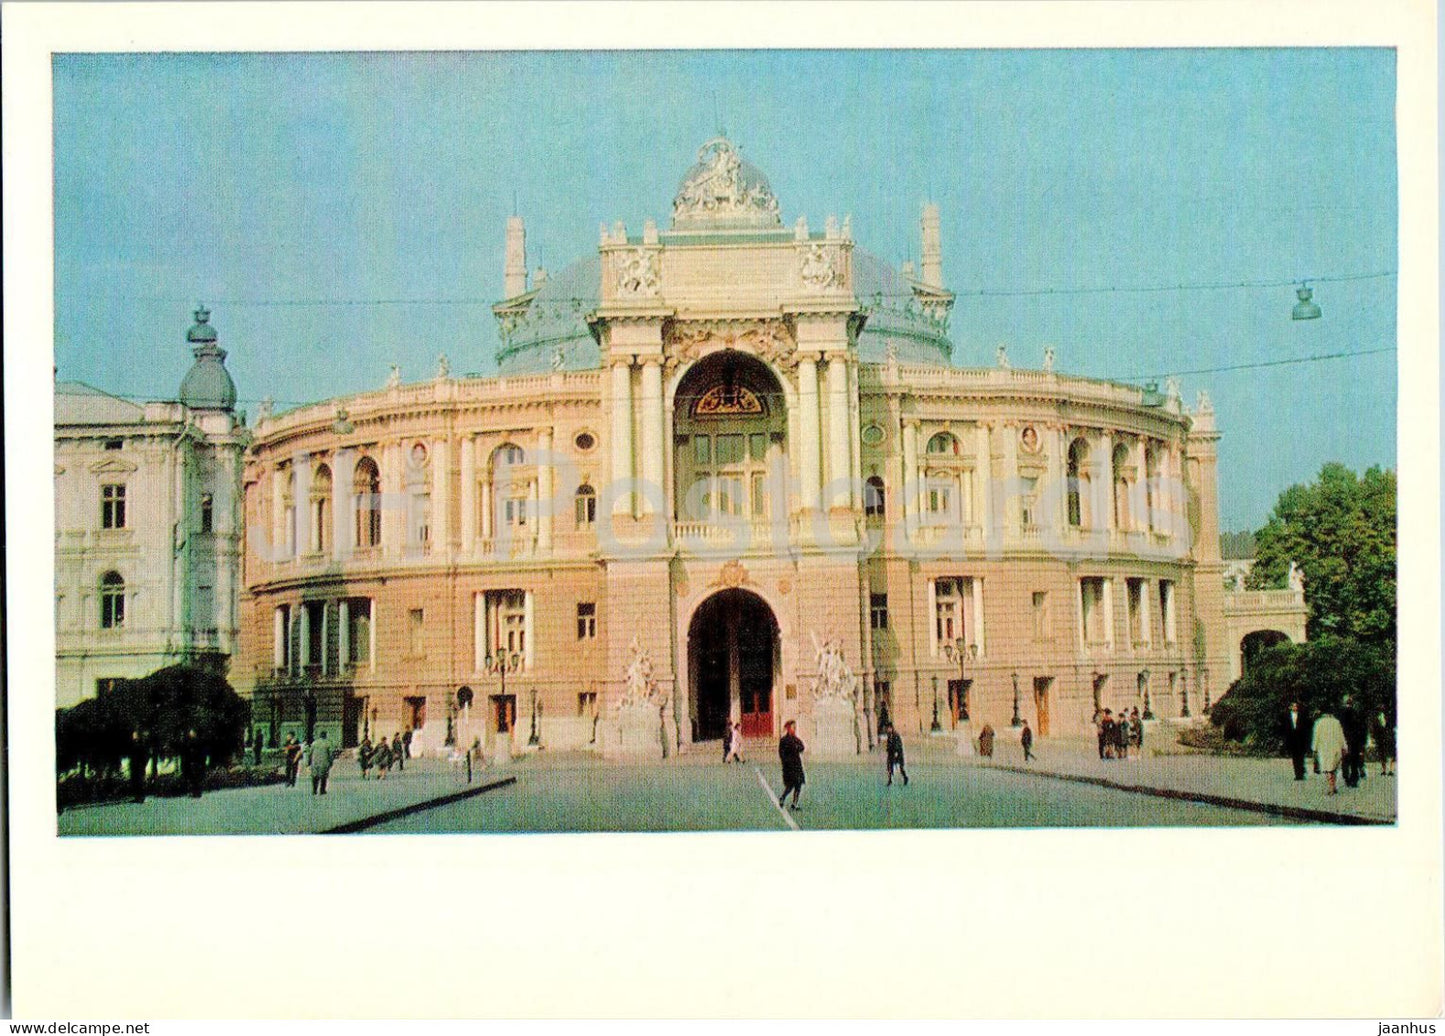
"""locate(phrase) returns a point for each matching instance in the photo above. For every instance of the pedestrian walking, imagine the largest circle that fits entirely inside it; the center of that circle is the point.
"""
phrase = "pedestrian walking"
(985, 741)
(193, 763)
(398, 752)
(292, 748)
(1352, 719)
(1329, 748)
(1026, 739)
(406, 743)
(790, 753)
(139, 759)
(1106, 735)
(894, 745)
(1121, 736)
(319, 759)
(734, 751)
(382, 759)
(1384, 735)
(1136, 731)
(1296, 738)
(364, 752)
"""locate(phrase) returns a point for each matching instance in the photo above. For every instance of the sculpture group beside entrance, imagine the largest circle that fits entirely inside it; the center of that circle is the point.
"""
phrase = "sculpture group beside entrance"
(837, 724)
(641, 723)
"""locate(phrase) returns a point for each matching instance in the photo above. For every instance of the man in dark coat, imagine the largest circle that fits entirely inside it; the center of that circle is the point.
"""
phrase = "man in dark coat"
(406, 743)
(193, 763)
(398, 751)
(895, 754)
(790, 752)
(1297, 738)
(139, 759)
(292, 749)
(1106, 735)
(1026, 739)
(1352, 717)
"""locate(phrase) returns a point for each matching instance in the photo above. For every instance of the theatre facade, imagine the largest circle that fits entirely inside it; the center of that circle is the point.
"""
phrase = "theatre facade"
(728, 471)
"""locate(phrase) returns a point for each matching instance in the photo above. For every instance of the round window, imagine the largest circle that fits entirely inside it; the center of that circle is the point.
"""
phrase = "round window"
(585, 441)
(873, 435)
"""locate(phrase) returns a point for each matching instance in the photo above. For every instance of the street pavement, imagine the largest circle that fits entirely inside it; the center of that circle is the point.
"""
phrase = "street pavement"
(1067, 786)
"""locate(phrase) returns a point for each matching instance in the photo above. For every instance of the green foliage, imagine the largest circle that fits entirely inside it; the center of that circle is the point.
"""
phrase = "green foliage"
(163, 707)
(1340, 530)
(1319, 674)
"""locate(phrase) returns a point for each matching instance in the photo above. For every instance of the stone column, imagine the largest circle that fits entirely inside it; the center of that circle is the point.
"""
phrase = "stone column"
(855, 440)
(468, 495)
(910, 491)
(1138, 499)
(278, 639)
(1106, 469)
(983, 477)
(278, 512)
(343, 521)
(652, 440)
(1013, 506)
(489, 509)
(621, 436)
(808, 446)
(977, 585)
(343, 634)
(1058, 487)
(839, 449)
(545, 491)
(393, 503)
(441, 509)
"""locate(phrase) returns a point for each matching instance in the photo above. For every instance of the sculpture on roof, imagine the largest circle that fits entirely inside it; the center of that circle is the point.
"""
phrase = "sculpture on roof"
(717, 186)
(1001, 357)
(393, 380)
(1048, 357)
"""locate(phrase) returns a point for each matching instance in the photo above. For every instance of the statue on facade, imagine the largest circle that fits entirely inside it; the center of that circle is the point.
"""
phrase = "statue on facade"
(557, 357)
(833, 678)
(1295, 579)
(1171, 388)
(817, 269)
(1001, 357)
(639, 684)
(444, 366)
(637, 272)
(1048, 357)
(393, 380)
(1203, 404)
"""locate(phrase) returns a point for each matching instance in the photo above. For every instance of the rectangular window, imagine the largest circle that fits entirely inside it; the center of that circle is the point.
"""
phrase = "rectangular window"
(508, 633)
(760, 495)
(701, 449)
(112, 607)
(514, 511)
(1041, 615)
(878, 611)
(1028, 501)
(948, 610)
(1135, 590)
(758, 445)
(940, 497)
(421, 520)
(415, 626)
(729, 493)
(586, 508)
(1166, 610)
(586, 703)
(281, 639)
(1091, 591)
(314, 632)
(358, 631)
(587, 620)
(114, 444)
(730, 449)
(112, 507)
(208, 513)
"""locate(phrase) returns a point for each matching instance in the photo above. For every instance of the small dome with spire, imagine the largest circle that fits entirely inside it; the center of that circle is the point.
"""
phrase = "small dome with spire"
(207, 385)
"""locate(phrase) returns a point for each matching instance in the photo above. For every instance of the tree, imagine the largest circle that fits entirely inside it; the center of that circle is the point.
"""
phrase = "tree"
(1319, 674)
(1340, 530)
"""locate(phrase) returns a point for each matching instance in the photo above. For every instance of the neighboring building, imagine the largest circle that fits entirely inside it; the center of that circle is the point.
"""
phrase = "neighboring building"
(721, 445)
(1257, 619)
(147, 527)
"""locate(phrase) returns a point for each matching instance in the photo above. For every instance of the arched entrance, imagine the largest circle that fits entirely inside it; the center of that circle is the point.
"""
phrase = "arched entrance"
(732, 661)
(1253, 643)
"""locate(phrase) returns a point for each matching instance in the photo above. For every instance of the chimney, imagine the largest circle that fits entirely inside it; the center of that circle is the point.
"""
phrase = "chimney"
(515, 282)
(932, 250)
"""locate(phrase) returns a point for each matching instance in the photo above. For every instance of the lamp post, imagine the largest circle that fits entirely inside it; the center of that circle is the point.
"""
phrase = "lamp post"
(1184, 692)
(1148, 712)
(1016, 721)
(964, 653)
(532, 738)
(935, 727)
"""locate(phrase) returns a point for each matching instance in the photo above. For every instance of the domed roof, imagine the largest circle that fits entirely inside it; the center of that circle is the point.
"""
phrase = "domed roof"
(554, 326)
(207, 385)
(722, 190)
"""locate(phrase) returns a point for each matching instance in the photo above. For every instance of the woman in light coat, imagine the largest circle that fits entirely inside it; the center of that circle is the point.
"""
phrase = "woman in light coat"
(1329, 747)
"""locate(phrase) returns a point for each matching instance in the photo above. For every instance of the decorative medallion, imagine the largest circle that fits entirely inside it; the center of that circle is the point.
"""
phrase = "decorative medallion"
(636, 272)
(818, 268)
(1029, 439)
(585, 441)
(732, 575)
(785, 587)
(873, 435)
(727, 401)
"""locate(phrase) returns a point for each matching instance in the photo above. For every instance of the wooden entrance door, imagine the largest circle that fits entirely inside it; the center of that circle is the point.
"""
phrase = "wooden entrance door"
(504, 712)
(1042, 684)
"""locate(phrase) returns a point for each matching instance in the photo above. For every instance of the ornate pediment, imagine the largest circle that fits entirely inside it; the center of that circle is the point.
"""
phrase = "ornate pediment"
(728, 401)
(113, 466)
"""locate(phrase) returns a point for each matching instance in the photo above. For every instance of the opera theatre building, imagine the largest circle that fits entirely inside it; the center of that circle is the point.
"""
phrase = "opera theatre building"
(728, 472)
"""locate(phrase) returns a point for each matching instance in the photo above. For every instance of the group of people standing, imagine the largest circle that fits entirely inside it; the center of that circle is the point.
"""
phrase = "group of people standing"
(1117, 734)
(383, 755)
(1338, 743)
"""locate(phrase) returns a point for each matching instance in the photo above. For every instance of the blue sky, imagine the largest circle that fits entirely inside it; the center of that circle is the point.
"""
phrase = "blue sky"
(256, 182)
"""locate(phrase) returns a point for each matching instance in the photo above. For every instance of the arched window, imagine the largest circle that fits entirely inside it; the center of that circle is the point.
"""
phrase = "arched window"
(586, 506)
(1122, 518)
(208, 512)
(1151, 485)
(943, 444)
(320, 509)
(112, 601)
(508, 454)
(874, 500)
(288, 511)
(366, 487)
(1078, 457)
